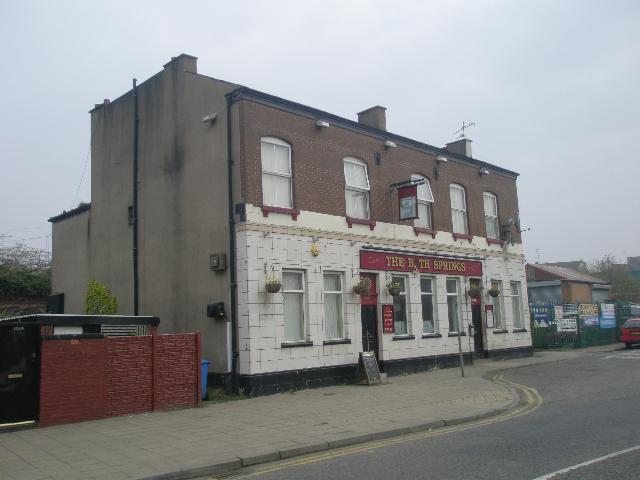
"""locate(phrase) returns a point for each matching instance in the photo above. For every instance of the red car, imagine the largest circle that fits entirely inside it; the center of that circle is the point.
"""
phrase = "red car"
(630, 332)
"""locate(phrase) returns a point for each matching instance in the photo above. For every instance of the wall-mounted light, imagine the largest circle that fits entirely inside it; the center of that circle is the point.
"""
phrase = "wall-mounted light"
(441, 159)
(483, 171)
(389, 144)
(210, 118)
(322, 124)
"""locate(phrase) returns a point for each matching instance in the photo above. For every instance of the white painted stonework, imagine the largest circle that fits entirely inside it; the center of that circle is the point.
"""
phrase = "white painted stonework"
(278, 242)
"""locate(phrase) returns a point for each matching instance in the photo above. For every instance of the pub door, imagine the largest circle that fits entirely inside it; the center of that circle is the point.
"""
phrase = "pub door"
(478, 342)
(19, 373)
(369, 317)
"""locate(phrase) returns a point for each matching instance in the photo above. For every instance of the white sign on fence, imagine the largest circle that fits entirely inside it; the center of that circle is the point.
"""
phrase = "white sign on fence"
(569, 324)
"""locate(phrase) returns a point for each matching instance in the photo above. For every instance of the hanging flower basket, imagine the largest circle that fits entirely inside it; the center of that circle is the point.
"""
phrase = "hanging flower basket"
(273, 285)
(393, 288)
(494, 292)
(475, 292)
(362, 286)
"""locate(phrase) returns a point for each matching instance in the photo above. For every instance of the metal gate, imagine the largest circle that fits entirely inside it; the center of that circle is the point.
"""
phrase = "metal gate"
(19, 373)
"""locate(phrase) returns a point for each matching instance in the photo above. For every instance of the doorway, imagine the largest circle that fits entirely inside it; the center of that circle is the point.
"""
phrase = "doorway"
(19, 373)
(369, 317)
(478, 337)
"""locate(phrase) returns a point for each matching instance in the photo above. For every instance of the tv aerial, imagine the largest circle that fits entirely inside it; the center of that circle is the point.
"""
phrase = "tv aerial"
(465, 125)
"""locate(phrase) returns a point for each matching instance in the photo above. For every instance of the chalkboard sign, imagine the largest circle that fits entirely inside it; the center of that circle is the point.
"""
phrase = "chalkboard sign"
(368, 372)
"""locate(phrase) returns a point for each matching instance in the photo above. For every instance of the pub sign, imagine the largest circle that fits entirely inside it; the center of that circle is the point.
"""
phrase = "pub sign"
(401, 262)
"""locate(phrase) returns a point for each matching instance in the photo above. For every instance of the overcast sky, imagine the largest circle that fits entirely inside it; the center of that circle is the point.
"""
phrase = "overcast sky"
(552, 87)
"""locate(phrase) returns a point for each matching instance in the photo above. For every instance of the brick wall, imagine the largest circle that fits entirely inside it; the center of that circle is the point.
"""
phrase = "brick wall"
(72, 380)
(88, 379)
(318, 179)
(128, 375)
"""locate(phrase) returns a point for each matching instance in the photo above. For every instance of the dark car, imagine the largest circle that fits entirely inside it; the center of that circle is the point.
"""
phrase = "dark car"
(630, 332)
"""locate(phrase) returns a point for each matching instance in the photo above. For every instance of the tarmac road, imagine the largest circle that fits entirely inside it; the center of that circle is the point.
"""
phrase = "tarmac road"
(590, 409)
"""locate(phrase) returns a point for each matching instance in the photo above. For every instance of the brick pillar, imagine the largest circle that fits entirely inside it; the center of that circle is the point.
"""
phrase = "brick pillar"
(198, 368)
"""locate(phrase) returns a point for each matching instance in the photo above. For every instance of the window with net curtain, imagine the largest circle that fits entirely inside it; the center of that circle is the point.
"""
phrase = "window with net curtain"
(333, 318)
(425, 199)
(491, 215)
(498, 311)
(458, 208)
(427, 292)
(516, 305)
(453, 305)
(276, 172)
(356, 188)
(293, 305)
(400, 307)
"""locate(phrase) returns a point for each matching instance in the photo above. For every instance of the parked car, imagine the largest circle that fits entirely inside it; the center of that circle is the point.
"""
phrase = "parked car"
(630, 332)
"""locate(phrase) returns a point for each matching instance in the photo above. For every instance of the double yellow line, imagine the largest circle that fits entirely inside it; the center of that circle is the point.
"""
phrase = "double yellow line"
(530, 400)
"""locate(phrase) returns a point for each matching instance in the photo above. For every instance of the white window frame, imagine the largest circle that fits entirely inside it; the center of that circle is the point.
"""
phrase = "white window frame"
(303, 333)
(402, 294)
(426, 202)
(282, 143)
(340, 294)
(498, 305)
(354, 188)
(434, 304)
(516, 304)
(455, 186)
(458, 310)
(491, 218)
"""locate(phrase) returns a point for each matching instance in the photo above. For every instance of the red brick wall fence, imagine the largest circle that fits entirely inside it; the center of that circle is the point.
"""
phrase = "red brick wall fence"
(91, 378)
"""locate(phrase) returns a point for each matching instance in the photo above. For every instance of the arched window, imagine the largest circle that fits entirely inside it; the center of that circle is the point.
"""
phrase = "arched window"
(276, 172)
(458, 209)
(491, 215)
(356, 188)
(425, 199)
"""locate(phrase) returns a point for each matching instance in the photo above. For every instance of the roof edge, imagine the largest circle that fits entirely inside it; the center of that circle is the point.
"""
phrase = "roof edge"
(83, 207)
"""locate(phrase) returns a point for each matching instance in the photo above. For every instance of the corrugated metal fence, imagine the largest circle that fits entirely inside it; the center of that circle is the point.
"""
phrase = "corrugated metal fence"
(577, 325)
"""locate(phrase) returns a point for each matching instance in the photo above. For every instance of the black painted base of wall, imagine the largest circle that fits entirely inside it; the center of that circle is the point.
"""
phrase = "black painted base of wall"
(405, 366)
(509, 353)
(275, 382)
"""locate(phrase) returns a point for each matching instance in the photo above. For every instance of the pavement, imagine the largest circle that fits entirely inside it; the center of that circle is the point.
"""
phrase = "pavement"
(222, 437)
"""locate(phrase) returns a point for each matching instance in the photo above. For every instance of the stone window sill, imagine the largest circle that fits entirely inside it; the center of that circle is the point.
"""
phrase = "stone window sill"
(295, 344)
(337, 341)
(404, 337)
(455, 334)
(426, 231)
(431, 335)
(294, 212)
(518, 330)
(361, 221)
(495, 241)
(500, 330)
(462, 236)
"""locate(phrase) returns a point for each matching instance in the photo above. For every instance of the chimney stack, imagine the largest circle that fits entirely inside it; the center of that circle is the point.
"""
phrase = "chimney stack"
(461, 147)
(183, 63)
(373, 117)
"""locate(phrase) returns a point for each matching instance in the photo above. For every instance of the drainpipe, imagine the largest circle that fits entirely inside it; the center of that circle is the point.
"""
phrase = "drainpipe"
(135, 197)
(232, 252)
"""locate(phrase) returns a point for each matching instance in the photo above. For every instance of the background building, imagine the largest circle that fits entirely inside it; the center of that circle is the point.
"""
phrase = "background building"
(551, 283)
(238, 189)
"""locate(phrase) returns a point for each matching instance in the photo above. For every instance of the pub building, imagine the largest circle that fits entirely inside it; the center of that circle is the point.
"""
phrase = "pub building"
(292, 238)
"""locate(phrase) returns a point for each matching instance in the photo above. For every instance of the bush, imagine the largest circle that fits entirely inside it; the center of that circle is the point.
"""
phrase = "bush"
(99, 300)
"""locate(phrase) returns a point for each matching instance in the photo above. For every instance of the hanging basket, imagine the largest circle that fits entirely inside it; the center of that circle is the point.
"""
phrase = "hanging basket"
(362, 286)
(494, 292)
(393, 289)
(273, 286)
(475, 292)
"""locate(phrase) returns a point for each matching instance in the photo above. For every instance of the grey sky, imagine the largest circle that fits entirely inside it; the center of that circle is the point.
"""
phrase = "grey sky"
(551, 85)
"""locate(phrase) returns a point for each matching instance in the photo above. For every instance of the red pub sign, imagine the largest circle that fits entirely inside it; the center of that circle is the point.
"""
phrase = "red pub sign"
(400, 262)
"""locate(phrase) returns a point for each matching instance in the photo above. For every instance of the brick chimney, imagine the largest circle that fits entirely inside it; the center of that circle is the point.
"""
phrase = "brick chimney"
(461, 147)
(373, 117)
(183, 63)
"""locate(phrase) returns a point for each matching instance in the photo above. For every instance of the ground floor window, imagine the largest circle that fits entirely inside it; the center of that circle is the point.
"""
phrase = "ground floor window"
(498, 311)
(293, 300)
(453, 304)
(400, 307)
(428, 310)
(333, 319)
(516, 305)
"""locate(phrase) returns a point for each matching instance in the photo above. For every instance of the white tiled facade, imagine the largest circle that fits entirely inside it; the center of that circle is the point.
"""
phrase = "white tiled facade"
(267, 246)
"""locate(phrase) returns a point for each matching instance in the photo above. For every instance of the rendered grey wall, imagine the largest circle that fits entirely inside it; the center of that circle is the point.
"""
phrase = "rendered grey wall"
(70, 260)
(545, 294)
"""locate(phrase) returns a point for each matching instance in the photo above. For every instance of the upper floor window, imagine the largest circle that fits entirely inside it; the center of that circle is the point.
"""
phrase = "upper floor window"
(458, 209)
(356, 188)
(425, 199)
(276, 172)
(491, 215)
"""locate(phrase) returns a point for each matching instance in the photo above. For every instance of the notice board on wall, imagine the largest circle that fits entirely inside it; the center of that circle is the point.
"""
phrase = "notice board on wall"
(387, 319)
